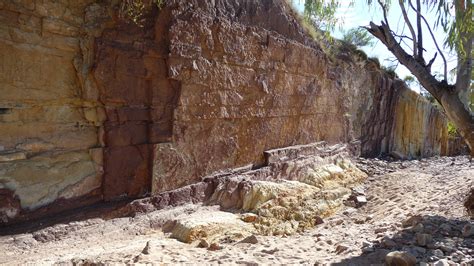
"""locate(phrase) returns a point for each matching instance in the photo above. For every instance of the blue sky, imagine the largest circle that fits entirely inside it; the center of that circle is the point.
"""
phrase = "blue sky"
(360, 14)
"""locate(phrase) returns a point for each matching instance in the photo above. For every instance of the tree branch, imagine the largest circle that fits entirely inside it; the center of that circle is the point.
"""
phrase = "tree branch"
(420, 30)
(410, 27)
(419, 70)
(384, 9)
(432, 61)
(435, 42)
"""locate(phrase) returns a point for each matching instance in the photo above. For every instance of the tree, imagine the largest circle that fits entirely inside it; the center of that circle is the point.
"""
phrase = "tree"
(455, 18)
(358, 37)
(459, 36)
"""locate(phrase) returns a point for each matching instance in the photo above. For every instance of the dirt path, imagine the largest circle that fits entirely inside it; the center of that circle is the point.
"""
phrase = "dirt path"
(413, 206)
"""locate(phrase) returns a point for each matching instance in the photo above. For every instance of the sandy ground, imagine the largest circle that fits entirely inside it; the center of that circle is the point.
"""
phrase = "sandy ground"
(405, 200)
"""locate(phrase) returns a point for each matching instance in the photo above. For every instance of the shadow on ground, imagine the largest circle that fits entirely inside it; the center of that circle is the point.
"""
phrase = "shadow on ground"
(105, 210)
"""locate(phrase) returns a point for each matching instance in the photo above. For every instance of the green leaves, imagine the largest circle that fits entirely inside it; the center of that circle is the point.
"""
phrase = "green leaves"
(134, 10)
(455, 18)
(358, 37)
(321, 13)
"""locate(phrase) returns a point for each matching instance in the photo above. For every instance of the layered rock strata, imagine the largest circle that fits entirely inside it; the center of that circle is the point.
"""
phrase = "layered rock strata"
(95, 107)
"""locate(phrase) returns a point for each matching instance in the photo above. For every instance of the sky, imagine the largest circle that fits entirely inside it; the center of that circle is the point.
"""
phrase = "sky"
(360, 14)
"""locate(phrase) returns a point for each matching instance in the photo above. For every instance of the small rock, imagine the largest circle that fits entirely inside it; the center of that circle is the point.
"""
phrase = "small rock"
(443, 262)
(447, 248)
(214, 247)
(418, 228)
(250, 240)
(380, 230)
(457, 258)
(249, 217)
(388, 243)
(361, 200)
(318, 220)
(468, 230)
(423, 239)
(341, 248)
(147, 249)
(399, 258)
(438, 253)
(203, 244)
(270, 251)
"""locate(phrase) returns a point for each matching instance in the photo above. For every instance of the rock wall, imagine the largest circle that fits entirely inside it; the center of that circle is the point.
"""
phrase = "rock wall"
(47, 142)
(418, 128)
(403, 124)
(96, 108)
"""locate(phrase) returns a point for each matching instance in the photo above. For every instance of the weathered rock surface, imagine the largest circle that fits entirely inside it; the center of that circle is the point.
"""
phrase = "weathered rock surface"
(96, 108)
(212, 226)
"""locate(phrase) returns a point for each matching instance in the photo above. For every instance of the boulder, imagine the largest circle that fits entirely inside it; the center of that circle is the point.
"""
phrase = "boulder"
(400, 258)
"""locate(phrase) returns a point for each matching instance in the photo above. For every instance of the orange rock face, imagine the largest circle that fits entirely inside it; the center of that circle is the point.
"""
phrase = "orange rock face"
(95, 108)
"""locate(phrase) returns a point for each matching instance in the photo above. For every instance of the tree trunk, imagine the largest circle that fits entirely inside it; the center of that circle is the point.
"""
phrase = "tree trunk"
(447, 95)
(458, 113)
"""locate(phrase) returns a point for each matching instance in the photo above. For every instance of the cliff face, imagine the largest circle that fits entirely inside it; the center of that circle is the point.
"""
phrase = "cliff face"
(96, 108)
(47, 141)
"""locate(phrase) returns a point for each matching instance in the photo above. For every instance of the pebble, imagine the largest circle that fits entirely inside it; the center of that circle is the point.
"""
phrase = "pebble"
(446, 248)
(468, 230)
(438, 253)
(214, 247)
(203, 244)
(443, 262)
(249, 240)
(361, 200)
(249, 217)
(147, 249)
(341, 248)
